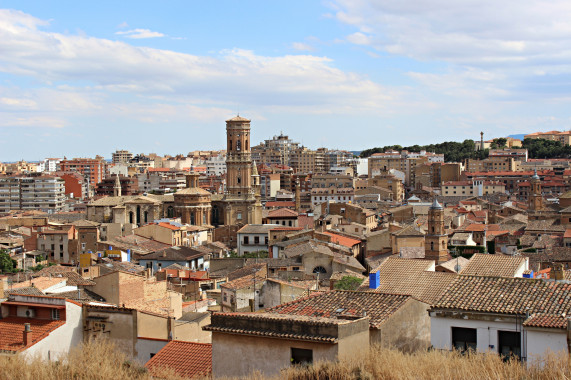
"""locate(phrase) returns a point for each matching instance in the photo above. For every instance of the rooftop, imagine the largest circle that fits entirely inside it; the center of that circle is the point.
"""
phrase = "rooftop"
(186, 359)
(493, 265)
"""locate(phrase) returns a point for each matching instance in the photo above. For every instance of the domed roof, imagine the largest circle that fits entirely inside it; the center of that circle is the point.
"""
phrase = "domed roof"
(535, 176)
(238, 118)
(192, 191)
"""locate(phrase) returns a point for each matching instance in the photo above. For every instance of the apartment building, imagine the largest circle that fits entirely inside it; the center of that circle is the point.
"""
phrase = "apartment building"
(472, 188)
(404, 161)
(121, 157)
(49, 165)
(216, 165)
(516, 154)
(324, 181)
(93, 169)
(563, 137)
(45, 193)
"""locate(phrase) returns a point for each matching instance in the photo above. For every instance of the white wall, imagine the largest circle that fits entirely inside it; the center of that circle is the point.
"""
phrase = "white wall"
(487, 332)
(145, 347)
(540, 341)
(61, 340)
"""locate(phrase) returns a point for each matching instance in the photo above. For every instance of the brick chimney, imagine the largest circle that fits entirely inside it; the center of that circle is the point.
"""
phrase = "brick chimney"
(27, 334)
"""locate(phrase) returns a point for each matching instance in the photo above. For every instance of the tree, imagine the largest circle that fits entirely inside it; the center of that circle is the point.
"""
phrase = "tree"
(348, 283)
(7, 265)
(499, 143)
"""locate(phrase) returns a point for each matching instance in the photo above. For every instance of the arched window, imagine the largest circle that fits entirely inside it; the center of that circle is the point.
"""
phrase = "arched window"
(319, 270)
(192, 218)
(146, 215)
(230, 146)
(131, 217)
(238, 145)
(246, 145)
(432, 246)
(138, 214)
(170, 212)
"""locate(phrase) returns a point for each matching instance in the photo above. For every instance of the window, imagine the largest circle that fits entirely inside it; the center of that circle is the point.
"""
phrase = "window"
(55, 314)
(82, 246)
(464, 339)
(509, 344)
(256, 240)
(239, 215)
(301, 356)
(246, 240)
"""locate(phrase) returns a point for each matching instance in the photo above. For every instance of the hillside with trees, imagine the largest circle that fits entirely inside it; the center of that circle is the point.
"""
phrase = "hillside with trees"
(458, 151)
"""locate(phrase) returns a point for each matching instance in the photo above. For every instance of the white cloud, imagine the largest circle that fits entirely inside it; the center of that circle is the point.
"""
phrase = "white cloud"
(302, 46)
(515, 41)
(234, 77)
(139, 33)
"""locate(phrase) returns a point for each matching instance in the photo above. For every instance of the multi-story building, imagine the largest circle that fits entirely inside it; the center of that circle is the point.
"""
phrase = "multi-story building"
(93, 169)
(323, 181)
(563, 137)
(472, 188)
(75, 185)
(402, 161)
(121, 157)
(162, 180)
(434, 173)
(129, 186)
(516, 154)
(49, 165)
(332, 194)
(215, 165)
(45, 193)
(277, 150)
(493, 164)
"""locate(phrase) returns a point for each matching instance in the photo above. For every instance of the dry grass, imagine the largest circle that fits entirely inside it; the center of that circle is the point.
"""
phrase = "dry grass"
(98, 361)
(388, 364)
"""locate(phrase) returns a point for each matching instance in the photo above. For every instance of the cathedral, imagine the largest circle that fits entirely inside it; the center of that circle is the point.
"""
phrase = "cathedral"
(241, 202)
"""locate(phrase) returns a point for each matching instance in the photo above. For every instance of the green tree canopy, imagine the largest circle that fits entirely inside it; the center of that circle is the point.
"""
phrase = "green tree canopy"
(348, 283)
(7, 265)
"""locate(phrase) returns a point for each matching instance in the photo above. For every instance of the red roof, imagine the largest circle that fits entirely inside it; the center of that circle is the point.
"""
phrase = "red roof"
(186, 359)
(342, 240)
(169, 226)
(12, 332)
(305, 221)
(567, 233)
(282, 213)
(475, 227)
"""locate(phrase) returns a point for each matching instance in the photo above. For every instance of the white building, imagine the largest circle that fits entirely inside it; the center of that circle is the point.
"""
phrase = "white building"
(253, 238)
(48, 165)
(216, 165)
(511, 316)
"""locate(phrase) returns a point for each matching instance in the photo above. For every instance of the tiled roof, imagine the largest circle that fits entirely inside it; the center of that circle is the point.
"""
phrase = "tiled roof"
(81, 295)
(136, 243)
(410, 277)
(546, 321)
(342, 240)
(180, 253)
(378, 306)
(73, 279)
(52, 270)
(412, 252)
(451, 264)
(280, 204)
(186, 359)
(273, 325)
(247, 270)
(282, 213)
(27, 291)
(256, 228)
(497, 265)
(12, 332)
(41, 283)
(506, 295)
(244, 282)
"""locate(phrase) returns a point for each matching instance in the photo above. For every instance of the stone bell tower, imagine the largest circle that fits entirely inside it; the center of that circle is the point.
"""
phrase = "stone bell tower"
(436, 240)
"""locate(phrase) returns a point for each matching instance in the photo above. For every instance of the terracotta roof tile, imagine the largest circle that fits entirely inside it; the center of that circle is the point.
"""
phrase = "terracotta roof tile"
(282, 213)
(496, 265)
(506, 295)
(342, 240)
(378, 306)
(12, 332)
(546, 321)
(186, 359)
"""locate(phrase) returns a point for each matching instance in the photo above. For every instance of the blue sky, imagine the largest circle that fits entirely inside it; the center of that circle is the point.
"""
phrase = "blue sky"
(86, 78)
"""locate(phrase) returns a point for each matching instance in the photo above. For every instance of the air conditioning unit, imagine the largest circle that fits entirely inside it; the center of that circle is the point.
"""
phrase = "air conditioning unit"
(30, 313)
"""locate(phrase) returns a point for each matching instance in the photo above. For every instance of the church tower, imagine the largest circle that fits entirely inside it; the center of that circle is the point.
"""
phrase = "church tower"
(241, 203)
(436, 240)
(238, 156)
(535, 198)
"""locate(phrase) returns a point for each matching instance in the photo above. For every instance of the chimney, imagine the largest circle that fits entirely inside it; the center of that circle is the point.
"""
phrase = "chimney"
(558, 273)
(27, 334)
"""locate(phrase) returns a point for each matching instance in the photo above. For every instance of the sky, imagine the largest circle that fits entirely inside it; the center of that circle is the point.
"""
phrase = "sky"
(84, 78)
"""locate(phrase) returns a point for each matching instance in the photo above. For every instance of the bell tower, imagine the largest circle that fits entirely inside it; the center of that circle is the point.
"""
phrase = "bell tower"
(535, 198)
(436, 240)
(238, 158)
